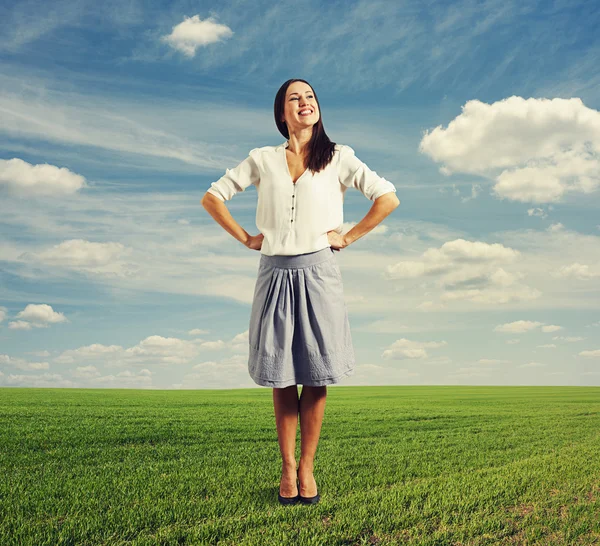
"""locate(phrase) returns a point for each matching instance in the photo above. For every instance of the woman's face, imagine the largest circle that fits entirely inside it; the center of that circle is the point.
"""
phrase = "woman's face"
(299, 97)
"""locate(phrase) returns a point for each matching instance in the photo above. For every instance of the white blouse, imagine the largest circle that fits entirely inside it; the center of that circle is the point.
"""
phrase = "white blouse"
(295, 218)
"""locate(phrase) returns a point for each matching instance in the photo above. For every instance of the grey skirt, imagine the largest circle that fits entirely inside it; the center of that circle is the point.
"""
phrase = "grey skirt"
(299, 331)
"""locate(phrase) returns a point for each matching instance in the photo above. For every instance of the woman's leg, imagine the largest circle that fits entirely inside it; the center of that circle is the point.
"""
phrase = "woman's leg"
(285, 402)
(312, 409)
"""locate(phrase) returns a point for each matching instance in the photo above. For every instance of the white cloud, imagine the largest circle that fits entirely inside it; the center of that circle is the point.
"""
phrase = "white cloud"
(464, 251)
(82, 255)
(153, 350)
(95, 351)
(86, 372)
(517, 327)
(23, 364)
(537, 212)
(407, 349)
(126, 378)
(52, 380)
(24, 179)
(490, 296)
(475, 191)
(198, 332)
(486, 361)
(551, 328)
(37, 316)
(570, 339)
(590, 354)
(469, 270)
(532, 365)
(537, 150)
(19, 325)
(578, 271)
(194, 32)
(450, 256)
(3, 313)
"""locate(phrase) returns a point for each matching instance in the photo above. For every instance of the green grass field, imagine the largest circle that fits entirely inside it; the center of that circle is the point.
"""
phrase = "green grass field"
(395, 465)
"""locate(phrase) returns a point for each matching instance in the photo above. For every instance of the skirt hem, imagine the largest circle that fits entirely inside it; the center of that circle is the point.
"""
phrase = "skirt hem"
(293, 381)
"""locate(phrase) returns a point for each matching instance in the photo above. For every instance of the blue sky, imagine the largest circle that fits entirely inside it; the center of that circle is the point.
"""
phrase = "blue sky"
(116, 117)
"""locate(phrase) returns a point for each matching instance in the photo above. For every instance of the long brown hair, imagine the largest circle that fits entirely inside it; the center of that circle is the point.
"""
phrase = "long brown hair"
(320, 148)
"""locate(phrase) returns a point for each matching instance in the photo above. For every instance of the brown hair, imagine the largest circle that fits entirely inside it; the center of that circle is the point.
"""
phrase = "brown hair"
(320, 148)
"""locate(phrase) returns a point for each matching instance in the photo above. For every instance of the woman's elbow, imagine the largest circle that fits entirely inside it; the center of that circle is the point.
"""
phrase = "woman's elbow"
(209, 199)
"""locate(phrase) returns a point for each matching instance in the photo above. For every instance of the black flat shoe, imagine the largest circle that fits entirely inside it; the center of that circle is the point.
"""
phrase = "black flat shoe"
(310, 500)
(288, 500)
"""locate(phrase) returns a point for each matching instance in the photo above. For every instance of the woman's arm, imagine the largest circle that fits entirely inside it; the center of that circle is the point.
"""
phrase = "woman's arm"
(381, 208)
(219, 211)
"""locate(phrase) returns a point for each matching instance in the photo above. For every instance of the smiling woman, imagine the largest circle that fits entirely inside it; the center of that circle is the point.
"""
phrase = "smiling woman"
(299, 331)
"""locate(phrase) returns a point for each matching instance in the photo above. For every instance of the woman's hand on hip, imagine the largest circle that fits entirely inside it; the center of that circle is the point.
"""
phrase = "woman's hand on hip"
(254, 242)
(336, 240)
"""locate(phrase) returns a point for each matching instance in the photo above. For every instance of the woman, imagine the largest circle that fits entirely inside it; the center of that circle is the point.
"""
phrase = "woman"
(299, 331)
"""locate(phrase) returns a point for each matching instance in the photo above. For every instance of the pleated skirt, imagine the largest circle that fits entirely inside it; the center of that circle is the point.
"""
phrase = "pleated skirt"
(299, 331)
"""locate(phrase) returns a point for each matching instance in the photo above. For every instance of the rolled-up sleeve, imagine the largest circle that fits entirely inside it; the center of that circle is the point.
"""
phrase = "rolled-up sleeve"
(237, 179)
(354, 173)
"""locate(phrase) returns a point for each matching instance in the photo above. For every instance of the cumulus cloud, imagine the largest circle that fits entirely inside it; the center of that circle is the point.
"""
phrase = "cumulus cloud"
(517, 327)
(522, 326)
(126, 378)
(532, 365)
(86, 372)
(22, 364)
(79, 254)
(24, 179)
(194, 32)
(51, 380)
(578, 271)
(407, 349)
(19, 325)
(96, 351)
(536, 150)
(468, 270)
(450, 256)
(153, 350)
(37, 316)
(590, 354)
(198, 332)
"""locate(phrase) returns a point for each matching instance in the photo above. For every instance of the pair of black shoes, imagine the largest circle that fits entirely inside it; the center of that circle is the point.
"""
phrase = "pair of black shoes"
(299, 498)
